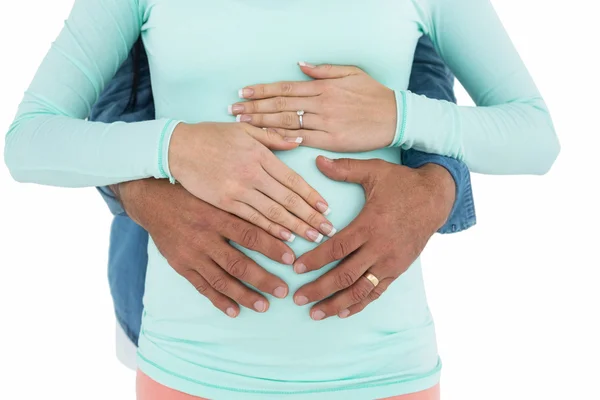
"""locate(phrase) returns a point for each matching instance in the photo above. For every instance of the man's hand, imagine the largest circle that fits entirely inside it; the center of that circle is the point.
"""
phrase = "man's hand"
(193, 236)
(404, 208)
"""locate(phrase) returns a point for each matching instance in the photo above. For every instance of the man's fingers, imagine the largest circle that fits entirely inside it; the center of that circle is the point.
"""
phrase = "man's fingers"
(348, 169)
(231, 287)
(329, 71)
(373, 295)
(341, 301)
(336, 248)
(219, 300)
(241, 267)
(285, 89)
(254, 238)
(337, 279)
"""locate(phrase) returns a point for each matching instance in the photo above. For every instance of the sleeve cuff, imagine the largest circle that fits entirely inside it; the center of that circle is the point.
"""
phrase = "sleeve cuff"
(401, 118)
(163, 149)
(114, 205)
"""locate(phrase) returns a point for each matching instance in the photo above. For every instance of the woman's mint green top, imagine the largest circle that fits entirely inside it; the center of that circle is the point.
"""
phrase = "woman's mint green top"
(201, 52)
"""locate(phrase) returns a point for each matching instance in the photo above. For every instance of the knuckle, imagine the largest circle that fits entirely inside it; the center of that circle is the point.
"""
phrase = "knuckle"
(376, 293)
(261, 90)
(291, 200)
(251, 107)
(201, 287)
(358, 293)
(313, 218)
(250, 238)
(344, 279)
(280, 103)
(287, 88)
(339, 248)
(292, 179)
(254, 217)
(287, 121)
(219, 283)
(237, 267)
(274, 212)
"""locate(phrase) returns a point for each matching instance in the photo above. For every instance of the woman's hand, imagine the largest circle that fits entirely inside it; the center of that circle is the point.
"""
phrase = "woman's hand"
(345, 109)
(230, 166)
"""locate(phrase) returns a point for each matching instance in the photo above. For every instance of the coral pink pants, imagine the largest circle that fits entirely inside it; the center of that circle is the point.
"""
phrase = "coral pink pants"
(147, 389)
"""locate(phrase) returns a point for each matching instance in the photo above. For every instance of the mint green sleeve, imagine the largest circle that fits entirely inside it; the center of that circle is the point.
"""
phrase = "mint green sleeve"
(50, 142)
(510, 131)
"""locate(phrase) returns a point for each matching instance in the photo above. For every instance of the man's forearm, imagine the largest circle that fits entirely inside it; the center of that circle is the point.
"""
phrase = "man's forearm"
(431, 77)
(462, 214)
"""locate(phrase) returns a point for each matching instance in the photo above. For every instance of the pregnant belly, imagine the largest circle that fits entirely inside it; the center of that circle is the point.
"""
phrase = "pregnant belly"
(283, 342)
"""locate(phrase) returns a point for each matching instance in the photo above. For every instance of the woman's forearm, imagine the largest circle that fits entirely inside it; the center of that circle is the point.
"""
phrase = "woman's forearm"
(512, 138)
(61, 151)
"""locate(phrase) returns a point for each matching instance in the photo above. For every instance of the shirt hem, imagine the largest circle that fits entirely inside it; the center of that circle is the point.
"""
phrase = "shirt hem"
(220, 390)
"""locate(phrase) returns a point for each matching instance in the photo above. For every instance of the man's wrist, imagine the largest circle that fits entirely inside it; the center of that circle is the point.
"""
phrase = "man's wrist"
(130, 194)
(442, 188)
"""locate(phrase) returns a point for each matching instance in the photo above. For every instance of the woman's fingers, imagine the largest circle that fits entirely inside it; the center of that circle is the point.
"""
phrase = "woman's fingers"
(292, 202)
(286, 89)
(309, 138)
(293, 181)
(271, 139)
(275, 105)
(277, 213)
(250, 214)
(286, 120)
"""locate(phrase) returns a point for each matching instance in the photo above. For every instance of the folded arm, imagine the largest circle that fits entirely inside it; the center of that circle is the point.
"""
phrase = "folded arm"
(510, 131)
(50, 142)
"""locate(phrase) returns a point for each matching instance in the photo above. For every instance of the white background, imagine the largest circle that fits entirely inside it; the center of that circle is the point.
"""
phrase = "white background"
(516, 299)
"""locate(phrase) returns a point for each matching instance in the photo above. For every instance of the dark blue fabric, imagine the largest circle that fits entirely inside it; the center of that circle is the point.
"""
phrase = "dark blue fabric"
(128, 241)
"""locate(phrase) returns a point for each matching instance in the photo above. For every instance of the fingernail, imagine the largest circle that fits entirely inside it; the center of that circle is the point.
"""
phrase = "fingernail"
(318, 315)
(314, 236)
(243, 118)
(293, 139)
(288, 236)
(323, 208)
(300, 300)
(243, 93)
(299, 268)
(260, 306)
(235, 109)
(280, 292)
(328, 229)
(305, 64)
(344, 313)
(231, 312)
(329, 160)
(288, 258)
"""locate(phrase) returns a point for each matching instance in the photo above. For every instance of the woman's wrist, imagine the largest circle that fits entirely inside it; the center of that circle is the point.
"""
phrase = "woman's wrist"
(178, 145)
(164, 149)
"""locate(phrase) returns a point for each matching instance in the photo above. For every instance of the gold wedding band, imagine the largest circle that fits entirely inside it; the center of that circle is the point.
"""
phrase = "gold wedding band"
(372, 278)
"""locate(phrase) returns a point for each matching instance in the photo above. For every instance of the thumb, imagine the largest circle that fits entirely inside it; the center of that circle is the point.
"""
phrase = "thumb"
(345, 169)
(328, 71)
(272, 140)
